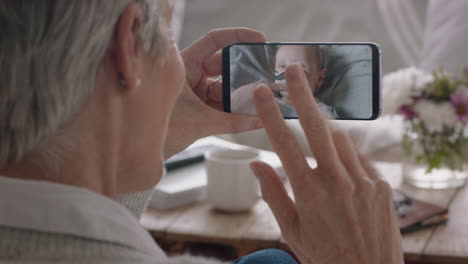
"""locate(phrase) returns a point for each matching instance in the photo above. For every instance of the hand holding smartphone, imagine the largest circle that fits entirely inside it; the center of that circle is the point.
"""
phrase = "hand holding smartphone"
(345, 78)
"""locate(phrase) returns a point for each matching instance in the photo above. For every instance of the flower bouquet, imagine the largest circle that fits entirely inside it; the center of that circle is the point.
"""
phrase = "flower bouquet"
(435, 109)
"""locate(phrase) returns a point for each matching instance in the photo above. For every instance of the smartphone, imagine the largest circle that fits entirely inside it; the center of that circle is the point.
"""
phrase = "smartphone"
(345, 78)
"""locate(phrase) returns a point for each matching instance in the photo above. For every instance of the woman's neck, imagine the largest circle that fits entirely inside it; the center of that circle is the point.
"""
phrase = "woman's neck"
(76, 159)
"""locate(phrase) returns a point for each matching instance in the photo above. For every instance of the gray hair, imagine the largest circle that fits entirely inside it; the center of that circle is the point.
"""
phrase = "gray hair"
(50, 52)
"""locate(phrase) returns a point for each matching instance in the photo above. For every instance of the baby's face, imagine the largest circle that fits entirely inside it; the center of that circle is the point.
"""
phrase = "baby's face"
(301, 55)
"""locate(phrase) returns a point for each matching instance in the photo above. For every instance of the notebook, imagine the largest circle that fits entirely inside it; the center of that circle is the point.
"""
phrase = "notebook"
(414, 215)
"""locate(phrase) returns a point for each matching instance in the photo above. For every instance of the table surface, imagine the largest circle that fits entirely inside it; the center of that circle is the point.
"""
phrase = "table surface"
(258, 229)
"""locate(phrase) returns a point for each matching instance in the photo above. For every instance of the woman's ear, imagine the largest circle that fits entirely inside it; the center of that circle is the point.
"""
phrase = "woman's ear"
(128, 48)
(322, 75)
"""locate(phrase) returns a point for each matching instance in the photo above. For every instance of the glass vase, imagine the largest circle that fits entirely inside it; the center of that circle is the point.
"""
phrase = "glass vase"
(434, 161)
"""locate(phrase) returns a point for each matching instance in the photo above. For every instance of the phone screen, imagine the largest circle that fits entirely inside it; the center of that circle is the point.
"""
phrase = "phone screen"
(344, 77)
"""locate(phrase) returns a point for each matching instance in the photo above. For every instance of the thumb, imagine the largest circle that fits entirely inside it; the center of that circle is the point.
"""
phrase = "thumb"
(236, 123)
(277, 198)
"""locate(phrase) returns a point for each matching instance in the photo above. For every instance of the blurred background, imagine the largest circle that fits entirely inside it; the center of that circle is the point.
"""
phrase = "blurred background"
(424, 33)
(396, 25)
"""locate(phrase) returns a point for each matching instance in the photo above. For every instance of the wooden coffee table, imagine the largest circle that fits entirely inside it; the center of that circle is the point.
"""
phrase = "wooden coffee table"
(257, 229)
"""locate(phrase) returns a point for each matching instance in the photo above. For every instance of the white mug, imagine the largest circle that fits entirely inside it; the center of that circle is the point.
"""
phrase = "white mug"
(231, 184)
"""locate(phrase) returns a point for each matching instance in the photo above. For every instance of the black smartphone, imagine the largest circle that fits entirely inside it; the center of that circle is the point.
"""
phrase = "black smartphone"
(345, 78)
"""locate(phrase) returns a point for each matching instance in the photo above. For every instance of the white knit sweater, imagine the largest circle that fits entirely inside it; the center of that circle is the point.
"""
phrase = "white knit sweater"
(43, 222)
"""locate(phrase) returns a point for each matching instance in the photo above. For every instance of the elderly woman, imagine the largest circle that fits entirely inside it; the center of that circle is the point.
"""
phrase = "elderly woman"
(94, 96)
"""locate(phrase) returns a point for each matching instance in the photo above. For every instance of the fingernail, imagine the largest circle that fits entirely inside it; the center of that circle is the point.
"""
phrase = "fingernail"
(256, 171)
(262, 92)
(294, 72)
(257, 124)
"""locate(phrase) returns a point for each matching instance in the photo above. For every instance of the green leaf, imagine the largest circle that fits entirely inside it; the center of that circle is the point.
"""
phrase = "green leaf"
(442, 86)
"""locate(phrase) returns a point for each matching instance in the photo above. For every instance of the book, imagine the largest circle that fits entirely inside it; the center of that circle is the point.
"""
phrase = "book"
(414, 215)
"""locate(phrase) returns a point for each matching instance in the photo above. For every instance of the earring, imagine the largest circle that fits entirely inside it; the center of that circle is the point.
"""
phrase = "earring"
(138, 83)
(122, 80)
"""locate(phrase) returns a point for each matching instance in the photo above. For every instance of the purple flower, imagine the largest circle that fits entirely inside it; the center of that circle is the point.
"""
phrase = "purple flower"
(408, 112)
(459, 101)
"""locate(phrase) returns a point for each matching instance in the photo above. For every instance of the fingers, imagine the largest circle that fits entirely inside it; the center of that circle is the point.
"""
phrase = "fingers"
(282, 139)
(214, 65)
(215, 91)
(372, 172)
(217, 39)
(277, 198)
(313, 123)
(229, 123)
(350, 159)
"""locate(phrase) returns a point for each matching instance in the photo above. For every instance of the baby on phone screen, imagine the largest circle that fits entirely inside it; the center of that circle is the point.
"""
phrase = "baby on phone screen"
(312, 59)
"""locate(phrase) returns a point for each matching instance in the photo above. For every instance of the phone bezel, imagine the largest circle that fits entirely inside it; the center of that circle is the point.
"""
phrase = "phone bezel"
(376, 74)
